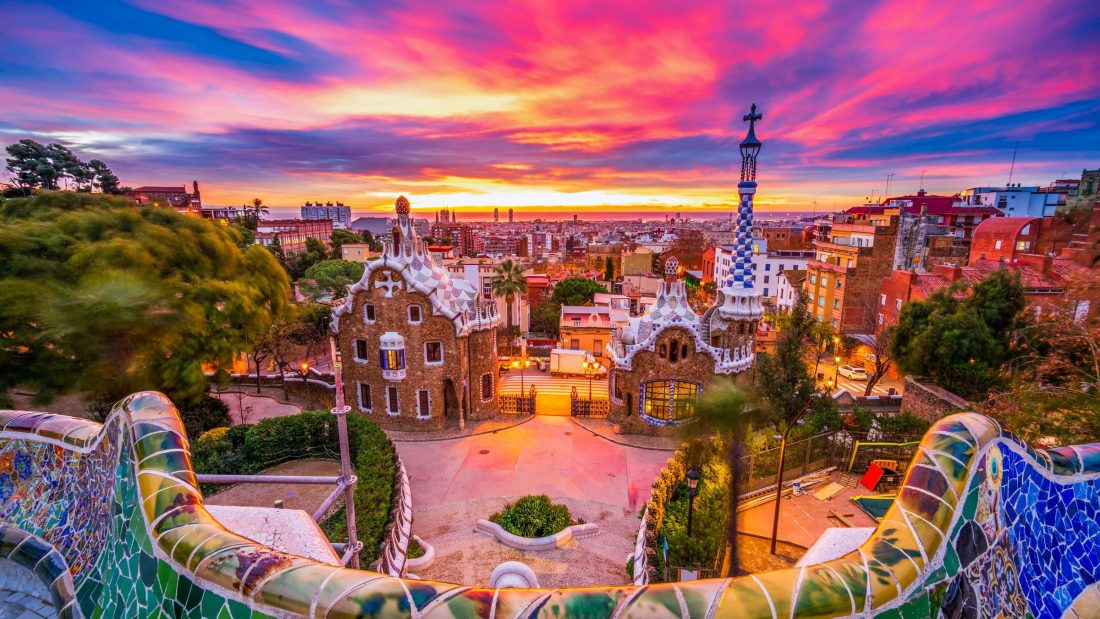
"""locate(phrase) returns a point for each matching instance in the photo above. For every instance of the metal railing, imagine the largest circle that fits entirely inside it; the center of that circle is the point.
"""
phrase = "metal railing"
(519, 404)
(802, 458)
(588, 407)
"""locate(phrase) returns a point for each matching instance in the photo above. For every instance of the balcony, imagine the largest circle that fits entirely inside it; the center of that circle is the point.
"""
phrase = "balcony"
(826, 266)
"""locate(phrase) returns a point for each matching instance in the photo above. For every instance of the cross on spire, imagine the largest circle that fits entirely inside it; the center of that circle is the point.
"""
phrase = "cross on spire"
(752, 116)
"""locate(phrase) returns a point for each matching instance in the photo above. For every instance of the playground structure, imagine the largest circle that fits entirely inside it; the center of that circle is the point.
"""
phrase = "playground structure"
(110, 518)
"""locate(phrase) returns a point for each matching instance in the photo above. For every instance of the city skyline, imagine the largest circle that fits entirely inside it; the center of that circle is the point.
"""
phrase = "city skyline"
(615, 107)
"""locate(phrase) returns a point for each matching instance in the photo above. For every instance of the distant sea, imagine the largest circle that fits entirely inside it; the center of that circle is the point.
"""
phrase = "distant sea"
(586, 214)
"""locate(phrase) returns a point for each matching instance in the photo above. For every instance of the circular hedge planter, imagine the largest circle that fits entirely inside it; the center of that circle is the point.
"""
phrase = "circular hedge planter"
(535, 523)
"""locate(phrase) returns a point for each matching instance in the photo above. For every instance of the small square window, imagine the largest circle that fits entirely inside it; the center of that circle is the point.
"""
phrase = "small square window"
(433, 352)
(361, 351)
(882, 299)
(368, 313)
(767, 266)
(897, 304)
(766, 277)
(836, 303)
(414, 314)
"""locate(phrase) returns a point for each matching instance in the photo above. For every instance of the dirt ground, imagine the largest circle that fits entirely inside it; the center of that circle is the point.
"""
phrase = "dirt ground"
(307, 497)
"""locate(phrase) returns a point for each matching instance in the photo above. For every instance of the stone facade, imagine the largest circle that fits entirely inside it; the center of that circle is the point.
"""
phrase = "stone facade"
(628, 402)
(417, 351)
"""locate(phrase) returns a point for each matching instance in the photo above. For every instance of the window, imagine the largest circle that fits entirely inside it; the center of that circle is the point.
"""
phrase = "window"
(997, 244)
(574, 344)
(674, 352)
(836, 303)
(766, 279)
(597, 348)
(368, 312)
(768, 267)
(813, 278)
(834, 323)
(765, 292)
(683, 351)
(780, 266)
(824, 281)
(662, 351)
(838, 284)
(821, 301)
(1022, 245)
(849, 263)
(897, 304)
(423, 404)
(433, 352)
(881, 319)
(669, 401)
(414, 314)
(393, 406)
(882, 299)
(361, 351)
(365, 404)
(486, 386)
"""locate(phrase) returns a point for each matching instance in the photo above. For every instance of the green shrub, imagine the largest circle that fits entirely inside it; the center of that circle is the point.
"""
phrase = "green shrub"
(533, 516)
(206, 414)
(248, 449)
(415, 549)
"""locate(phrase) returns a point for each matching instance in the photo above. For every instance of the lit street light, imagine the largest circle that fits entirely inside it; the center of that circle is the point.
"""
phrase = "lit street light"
(836, 369)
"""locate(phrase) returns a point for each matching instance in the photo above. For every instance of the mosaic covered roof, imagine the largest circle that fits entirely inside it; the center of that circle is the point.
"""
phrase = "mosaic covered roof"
(406, 254)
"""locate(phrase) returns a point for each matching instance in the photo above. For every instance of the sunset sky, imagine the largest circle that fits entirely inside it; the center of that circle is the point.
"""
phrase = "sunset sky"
(577, 103)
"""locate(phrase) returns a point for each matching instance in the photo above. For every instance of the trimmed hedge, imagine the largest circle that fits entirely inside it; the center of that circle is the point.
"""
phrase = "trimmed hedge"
(250, 448)
(533, 516)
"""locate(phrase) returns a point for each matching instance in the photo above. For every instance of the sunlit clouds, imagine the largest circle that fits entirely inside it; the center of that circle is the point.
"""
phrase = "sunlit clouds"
(570, 104)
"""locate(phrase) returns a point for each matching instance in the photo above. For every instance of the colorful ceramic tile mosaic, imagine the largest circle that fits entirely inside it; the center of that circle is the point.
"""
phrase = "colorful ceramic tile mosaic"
(111, 519)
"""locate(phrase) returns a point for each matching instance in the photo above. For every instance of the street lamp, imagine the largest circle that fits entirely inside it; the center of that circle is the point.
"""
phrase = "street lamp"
(693, 482)
(304, 367)
(836, 369)
(590, 370)
(779, 475)
(521, 367)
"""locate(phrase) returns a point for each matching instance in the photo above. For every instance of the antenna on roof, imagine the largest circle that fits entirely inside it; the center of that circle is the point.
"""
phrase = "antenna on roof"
(922, 179)
(1012, 170)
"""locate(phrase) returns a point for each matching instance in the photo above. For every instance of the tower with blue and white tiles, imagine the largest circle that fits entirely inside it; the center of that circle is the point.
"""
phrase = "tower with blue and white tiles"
(737, 299)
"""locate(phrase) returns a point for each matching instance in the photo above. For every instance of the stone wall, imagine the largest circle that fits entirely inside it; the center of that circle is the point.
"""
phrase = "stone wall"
(929, 401)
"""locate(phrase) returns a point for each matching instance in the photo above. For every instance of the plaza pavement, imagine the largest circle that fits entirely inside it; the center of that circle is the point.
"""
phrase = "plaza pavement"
(548, 455)
(455, 482)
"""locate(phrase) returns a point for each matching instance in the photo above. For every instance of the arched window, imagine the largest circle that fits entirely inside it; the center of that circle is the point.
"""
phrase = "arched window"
(673, 352)
(662, 351)
(629, 404)
(683, 351)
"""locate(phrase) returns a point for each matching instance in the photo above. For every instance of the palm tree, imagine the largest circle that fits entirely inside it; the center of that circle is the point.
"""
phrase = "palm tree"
(509, 281)
(258, 208)
(726, 411)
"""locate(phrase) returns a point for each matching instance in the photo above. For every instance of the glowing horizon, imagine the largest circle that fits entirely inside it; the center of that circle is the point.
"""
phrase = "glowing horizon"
(616, 106)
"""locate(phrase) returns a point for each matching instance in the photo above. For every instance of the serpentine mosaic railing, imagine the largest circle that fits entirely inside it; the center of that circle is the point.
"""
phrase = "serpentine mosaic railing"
(112, 519)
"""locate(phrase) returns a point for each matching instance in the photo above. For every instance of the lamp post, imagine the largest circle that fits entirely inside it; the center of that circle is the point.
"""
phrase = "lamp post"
(779, 475)
(693, 483)
(836, 369)
(304, 367)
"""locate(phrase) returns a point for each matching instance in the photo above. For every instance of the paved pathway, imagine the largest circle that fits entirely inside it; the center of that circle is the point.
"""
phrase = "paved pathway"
(456, 482)
(256, 407)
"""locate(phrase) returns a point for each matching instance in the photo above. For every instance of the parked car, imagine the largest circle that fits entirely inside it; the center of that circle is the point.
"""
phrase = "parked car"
(853, 372)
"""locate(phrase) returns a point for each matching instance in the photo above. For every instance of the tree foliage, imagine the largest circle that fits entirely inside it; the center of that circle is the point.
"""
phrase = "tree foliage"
(107, 297)
(960, 340)
(330, 278)
(783, 375)
(53, 166)
(571, 291)
(508, 282)
(1052, 395)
